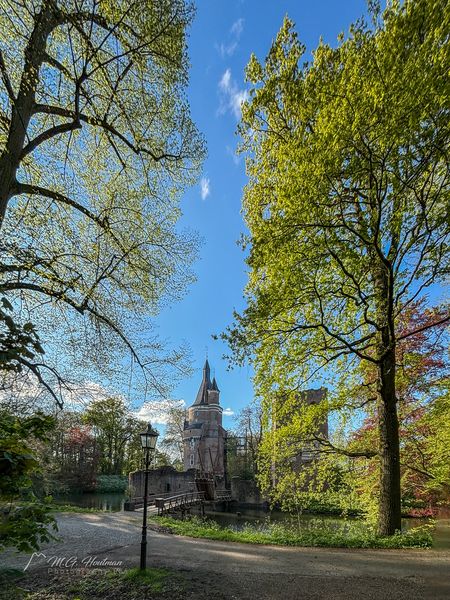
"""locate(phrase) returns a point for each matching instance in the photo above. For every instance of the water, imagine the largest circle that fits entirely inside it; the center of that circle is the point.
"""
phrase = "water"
(110, 501)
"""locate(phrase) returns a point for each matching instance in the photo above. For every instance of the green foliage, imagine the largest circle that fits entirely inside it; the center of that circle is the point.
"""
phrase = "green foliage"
(347, 208)
(437, 442)
(27, 525)
(25, 520)
(316, 532)
(117, 435)
(18, 343)
(111, 483)
(96, 148)
(72, 456)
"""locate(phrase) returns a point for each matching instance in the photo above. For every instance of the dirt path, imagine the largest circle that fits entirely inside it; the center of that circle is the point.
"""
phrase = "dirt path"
(243, 571)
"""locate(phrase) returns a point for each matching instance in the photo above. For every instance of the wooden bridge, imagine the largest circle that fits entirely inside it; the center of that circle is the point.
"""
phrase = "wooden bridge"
(181, 502)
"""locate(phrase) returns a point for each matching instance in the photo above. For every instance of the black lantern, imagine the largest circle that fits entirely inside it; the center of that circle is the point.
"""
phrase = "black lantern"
(148, 438)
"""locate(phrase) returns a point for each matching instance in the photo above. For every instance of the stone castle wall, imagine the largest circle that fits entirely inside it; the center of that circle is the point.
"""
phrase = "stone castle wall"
(164, 480)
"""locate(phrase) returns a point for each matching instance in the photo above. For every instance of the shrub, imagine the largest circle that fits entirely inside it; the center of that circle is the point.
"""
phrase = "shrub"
(111, 483)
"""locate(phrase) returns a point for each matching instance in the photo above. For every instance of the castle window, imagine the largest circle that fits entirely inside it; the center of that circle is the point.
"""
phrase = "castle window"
(191, 462)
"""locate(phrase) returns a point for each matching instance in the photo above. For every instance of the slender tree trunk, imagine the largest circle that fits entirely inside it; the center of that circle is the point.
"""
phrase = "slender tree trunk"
(389, 518)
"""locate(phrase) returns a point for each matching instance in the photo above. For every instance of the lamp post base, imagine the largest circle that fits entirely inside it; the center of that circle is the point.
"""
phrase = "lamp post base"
(143, 555)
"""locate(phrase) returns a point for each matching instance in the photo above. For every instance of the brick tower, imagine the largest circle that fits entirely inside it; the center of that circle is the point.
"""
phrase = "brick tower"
(204, 436)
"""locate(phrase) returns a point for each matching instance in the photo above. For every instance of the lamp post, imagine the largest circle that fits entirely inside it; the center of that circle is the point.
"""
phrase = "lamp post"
(148, 443)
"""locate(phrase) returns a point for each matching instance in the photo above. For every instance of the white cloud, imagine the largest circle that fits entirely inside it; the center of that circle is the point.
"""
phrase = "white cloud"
(237, 28)
(228, 412)
(234, 157)
(225, 81)
(205, 188)
(157, 411)
(236, 100)
(231, 96)
(229, 48)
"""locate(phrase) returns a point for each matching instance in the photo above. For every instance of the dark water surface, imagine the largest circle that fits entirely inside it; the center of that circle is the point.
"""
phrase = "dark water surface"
(109, 501)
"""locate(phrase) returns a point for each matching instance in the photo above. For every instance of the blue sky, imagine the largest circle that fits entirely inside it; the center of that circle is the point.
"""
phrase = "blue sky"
(221, 40)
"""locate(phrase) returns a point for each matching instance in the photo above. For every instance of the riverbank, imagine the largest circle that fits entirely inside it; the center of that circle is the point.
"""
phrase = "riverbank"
(315, 533)
(262, 527)
(223, 570)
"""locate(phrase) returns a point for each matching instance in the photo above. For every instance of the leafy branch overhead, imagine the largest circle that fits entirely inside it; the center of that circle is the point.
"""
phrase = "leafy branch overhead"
(96, 147)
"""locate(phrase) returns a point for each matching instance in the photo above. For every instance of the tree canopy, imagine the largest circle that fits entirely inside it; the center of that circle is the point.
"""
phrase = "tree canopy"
(347, 208)
(96, 146)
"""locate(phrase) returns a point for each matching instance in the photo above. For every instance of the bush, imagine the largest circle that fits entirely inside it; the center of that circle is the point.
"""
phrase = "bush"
(111, 483)
(25, 520)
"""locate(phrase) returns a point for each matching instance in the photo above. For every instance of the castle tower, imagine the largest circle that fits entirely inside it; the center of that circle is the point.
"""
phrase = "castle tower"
(204, 436)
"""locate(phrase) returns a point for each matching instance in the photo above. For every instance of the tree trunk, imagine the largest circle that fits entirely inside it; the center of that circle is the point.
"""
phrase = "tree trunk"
(389, 519)
(23, 106)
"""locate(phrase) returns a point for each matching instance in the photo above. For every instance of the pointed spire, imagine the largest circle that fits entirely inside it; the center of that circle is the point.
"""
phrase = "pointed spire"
(214, 385)
(202, 394)
(206, 370)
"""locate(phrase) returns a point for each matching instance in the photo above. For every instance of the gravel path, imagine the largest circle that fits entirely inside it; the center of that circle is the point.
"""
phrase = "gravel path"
(225, 570)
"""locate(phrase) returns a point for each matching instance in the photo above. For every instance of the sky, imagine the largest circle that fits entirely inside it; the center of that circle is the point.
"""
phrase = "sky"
(221, 40)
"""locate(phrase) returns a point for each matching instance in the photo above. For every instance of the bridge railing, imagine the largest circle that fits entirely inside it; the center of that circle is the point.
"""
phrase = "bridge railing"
(138, 501)
(179, 501)
(222, 495)
(170, 502)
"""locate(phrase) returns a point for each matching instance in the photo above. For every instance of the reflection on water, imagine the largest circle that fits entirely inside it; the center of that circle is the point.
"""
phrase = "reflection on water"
(111, 502)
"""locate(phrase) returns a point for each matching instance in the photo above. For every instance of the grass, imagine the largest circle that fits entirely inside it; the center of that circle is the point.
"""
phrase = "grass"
(73, 509)
(316, 532)
(9, 584)
(121, 584)
(98, 584)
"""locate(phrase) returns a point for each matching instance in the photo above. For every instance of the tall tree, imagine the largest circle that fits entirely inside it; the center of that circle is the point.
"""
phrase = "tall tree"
(173, 441)
(96, 146)
(244, 441)
(73, 454)
(347, 207)
(115, 430)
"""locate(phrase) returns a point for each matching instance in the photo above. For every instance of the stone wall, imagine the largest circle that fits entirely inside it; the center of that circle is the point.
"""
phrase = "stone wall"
(161, 481)
(246, 492)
